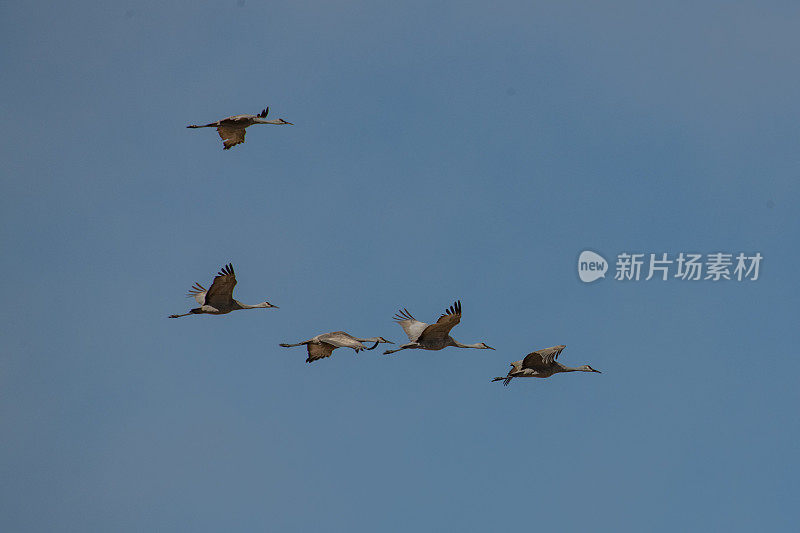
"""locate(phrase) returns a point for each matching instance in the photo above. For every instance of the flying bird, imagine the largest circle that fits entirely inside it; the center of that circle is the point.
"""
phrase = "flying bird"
(218, 300)
(323, 345)
(432, 336)
(541, 364)
(231, 130)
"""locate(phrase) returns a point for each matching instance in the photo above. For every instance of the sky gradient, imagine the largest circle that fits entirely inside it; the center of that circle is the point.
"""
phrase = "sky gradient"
(440, 152)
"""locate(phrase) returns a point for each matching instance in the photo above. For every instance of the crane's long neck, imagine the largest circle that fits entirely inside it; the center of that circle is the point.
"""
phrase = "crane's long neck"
(459, 345)
(262, 121)
(565, 368)
(262, 305)
(376, 340)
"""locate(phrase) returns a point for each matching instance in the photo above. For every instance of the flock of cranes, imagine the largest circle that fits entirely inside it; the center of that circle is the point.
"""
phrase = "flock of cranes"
(218, 300)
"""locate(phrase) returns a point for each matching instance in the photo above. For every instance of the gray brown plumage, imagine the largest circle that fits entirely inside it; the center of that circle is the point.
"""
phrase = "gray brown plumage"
(323, 345)
(232, 129)
(541, 364)
(218, 299)
(432, 336)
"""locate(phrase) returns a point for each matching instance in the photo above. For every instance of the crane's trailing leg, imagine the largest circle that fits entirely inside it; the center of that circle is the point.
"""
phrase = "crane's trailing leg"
(195, 311)
(410, 345)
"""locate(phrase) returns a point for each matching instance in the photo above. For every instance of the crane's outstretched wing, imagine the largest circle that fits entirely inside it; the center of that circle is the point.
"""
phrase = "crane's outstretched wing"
(340, 339)
(264, 113)
(319, 351)
(410, 325)
(230, 136)
(542, 359)
(446, 322)
(198, 292)
(221, 292)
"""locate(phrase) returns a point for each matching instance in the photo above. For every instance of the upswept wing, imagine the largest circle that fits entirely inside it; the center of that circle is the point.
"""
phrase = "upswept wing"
(542, 359)
(319, 351)
(410, 325)
(230, 136)
(264, 113)
(198, 292)
(446, 322)
(340, 339)
(220, 295)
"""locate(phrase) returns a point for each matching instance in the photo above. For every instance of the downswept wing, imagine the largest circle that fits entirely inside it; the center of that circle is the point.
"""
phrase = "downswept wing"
(220, 295)
(514, 368)
(410, 325)
(542, 359)
(230, 136)
(446, 322)
(319, 351)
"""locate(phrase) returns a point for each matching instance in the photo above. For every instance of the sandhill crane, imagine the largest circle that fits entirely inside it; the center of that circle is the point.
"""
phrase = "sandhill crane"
(218, 300)
(432, 336)
(541, 364)
(231, 129)
(323, 345)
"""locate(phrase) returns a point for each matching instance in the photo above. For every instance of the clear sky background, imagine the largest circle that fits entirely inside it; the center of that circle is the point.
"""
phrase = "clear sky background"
(440, 151)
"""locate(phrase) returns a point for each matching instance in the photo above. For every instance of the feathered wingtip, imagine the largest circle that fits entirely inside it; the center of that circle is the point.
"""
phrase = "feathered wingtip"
(403, 314)
(506, 380)
(227, 270)
(263, 114)
(454, 309)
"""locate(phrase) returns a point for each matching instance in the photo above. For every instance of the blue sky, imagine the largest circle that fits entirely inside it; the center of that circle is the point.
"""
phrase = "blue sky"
(439, 152)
